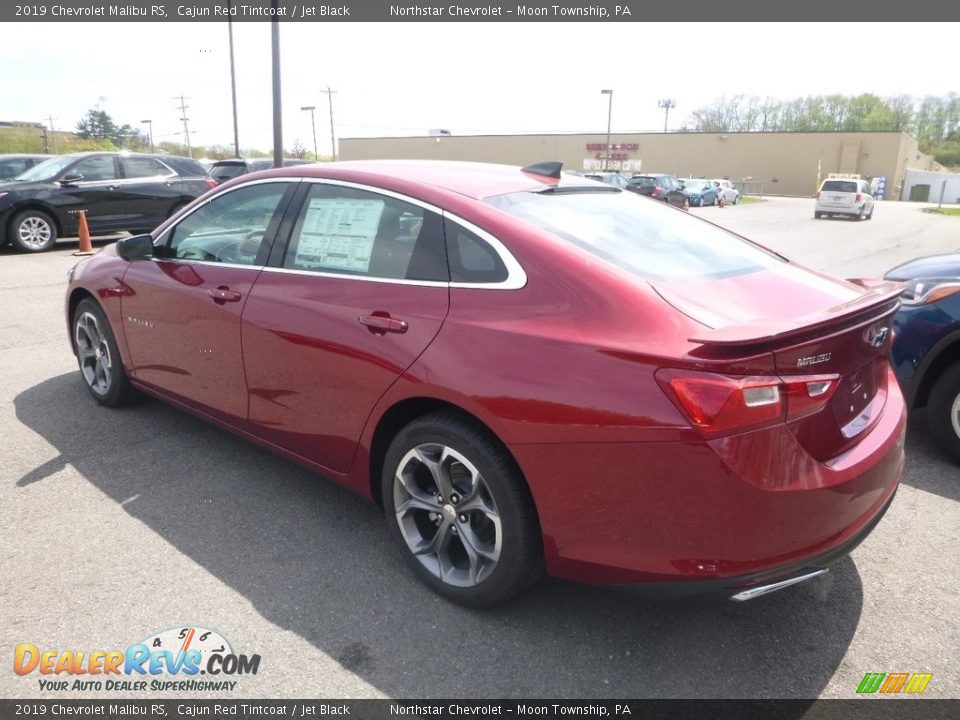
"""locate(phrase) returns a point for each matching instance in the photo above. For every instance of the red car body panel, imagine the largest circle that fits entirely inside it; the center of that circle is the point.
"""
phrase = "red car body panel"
(562, 370)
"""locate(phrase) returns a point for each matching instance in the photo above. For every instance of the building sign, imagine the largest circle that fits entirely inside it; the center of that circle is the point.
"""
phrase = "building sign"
(617, 151)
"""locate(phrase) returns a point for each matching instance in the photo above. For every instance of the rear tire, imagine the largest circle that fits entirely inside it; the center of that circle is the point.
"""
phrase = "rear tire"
(736, 199)
(943, 412)
(817, 215)
(859, 216)
(466, 524)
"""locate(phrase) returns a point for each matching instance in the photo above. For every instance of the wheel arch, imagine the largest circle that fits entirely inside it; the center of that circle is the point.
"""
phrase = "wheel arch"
(77, 295)
(406, 411)
(942, 356)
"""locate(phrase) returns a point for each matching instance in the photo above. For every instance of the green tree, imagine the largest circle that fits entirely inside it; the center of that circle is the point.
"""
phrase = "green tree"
(98, 125)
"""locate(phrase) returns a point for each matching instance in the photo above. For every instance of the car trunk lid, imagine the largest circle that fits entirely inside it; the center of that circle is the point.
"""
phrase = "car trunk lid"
(843, 333)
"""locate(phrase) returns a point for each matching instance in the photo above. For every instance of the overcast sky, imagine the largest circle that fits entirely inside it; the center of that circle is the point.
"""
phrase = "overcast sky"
(404, 78)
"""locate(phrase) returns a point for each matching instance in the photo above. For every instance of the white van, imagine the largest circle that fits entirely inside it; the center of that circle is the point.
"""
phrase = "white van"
(844, 196)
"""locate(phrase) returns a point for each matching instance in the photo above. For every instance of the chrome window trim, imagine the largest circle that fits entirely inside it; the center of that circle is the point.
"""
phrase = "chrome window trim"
(516, 277)
(364, 278)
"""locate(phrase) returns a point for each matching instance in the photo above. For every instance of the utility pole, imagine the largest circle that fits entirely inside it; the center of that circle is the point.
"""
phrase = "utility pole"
(184, 118)
(53, 134)
(333, 147)
(666, 104)
(46, 148)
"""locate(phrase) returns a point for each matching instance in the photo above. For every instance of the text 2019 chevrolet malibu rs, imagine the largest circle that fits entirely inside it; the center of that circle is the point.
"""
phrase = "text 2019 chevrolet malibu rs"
(527, 370)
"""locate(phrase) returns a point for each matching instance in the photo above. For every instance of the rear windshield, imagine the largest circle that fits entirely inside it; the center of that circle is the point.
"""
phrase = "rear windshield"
(227, 170)
(839, 186)
(643, 181)
(650, 240)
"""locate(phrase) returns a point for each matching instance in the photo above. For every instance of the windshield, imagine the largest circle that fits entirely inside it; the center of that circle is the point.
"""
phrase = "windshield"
(648, 239)
(47, 170)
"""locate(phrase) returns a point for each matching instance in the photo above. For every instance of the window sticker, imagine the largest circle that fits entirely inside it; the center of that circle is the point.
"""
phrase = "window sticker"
(338, 234)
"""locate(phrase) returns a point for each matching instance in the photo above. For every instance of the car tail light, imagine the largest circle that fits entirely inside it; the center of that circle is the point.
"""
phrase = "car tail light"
(719, 405)
(657, 191)
(211, 183)
(858, 198)
(817, 196)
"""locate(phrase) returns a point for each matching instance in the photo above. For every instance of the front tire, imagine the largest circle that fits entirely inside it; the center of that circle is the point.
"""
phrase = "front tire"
(460, 512)
(99, 357)
(817, 215)
(33, 231)
(943, 412)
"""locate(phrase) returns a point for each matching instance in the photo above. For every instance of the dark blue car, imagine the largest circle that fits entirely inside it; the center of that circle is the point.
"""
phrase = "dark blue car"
(926, 347)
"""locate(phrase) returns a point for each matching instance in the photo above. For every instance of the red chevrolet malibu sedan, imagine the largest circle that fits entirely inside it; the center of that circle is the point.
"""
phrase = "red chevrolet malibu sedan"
(530, 372)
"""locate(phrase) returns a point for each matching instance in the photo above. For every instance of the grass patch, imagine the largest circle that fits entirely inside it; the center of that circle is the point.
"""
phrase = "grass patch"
(747, 199)
(940, 211)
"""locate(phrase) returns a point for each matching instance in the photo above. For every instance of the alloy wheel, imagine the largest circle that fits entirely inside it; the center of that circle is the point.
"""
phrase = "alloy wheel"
(447, 515)
(93, 352)
(34, 231)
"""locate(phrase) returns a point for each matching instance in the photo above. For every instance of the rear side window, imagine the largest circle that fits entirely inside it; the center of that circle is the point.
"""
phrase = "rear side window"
(227, 171)
(650, 240)
(472, 259)
(134, 167)
(348, 231)
(849, 186)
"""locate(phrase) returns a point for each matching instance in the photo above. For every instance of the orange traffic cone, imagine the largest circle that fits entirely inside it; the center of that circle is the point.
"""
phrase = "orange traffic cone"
(723, 200)
(86, 247)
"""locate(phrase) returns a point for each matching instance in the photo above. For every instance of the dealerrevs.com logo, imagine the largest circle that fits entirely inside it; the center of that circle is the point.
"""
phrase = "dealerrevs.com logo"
(183, 659)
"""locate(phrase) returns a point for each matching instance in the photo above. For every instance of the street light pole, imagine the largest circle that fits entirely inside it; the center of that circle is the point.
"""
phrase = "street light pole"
(606, 156)
(666, 104)
(277, 114)
(233, 83)
(313, 125)
(149, 124)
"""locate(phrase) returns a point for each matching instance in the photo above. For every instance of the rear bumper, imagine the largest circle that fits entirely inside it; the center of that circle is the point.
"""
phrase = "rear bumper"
(705, 516)
(784, 576)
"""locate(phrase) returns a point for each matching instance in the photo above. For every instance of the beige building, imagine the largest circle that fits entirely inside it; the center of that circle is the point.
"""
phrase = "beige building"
(769, 163)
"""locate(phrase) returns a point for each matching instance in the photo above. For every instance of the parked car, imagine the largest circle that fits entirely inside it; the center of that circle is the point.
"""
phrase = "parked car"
(610, 178)
(700, 192)
(727, 191)
(13, 165)
(542, 373)
(926, 347)
(223, 170)
(847, 197)
(119, 191)
(656, 186)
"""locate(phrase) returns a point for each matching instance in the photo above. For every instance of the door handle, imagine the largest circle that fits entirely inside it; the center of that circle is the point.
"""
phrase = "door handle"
(381, 324)
(223, 294)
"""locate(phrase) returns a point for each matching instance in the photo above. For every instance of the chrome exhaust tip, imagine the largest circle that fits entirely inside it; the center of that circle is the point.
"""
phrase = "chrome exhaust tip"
(759, 590)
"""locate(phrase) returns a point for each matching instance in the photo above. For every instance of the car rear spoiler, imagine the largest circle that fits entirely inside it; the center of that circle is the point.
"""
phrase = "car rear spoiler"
(880, 295)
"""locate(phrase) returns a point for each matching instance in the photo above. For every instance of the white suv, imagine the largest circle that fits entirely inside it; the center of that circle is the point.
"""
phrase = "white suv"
(844, 196)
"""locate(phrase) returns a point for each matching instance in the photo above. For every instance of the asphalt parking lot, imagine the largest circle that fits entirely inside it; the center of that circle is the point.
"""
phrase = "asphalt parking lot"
(119, 524)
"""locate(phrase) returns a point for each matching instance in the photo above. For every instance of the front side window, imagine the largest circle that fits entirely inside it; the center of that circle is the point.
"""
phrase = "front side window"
(96, 168)
(348, 231)
(649, 240)
(228, 229)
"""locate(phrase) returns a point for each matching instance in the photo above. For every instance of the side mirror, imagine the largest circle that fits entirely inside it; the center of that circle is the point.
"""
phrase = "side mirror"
(138, 247)
(71, 178)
